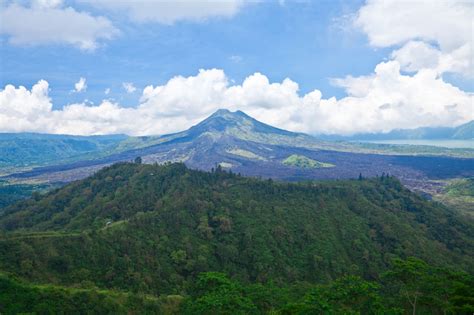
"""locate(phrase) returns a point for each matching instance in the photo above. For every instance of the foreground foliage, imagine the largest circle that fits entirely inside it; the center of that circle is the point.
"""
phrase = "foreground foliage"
(409, 286)
(17, 297)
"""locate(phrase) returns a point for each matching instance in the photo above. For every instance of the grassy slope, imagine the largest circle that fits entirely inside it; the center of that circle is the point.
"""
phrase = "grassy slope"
(246, 154)
(19, 297)
(305, 162)
(459, 194)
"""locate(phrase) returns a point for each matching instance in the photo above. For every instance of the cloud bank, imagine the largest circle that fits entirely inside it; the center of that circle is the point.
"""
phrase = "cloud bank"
(381, 101)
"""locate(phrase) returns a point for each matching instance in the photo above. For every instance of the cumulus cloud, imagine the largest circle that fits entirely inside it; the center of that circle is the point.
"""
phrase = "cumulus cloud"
(383, 100)
(388, 100)
(169, 12)
(417, 55)
(46, 22)
(129, 87)
(22, 109)
(416, 25)
(80, 85)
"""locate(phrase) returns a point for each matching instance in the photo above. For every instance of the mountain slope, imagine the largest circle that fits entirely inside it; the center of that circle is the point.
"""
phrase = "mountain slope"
(154, 228)
(237, 125)
(19, 150)
(462, 132)
(238, 142)
(227, 130)
(465, 131)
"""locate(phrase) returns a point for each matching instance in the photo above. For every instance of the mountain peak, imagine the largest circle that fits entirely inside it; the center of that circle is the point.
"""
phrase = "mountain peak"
(224, 112)
(221, 120)
(226, 121)
(221, 111)
(234, 124)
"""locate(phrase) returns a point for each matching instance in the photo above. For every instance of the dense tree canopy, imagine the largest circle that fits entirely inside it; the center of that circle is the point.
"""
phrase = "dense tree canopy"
(220, 243)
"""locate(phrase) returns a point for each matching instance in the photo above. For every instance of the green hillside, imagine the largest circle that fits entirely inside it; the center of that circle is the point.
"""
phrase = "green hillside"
(24, 150)
(158, 230)
(11, 193)
(459, 194)
(304, 162)
(17, 297)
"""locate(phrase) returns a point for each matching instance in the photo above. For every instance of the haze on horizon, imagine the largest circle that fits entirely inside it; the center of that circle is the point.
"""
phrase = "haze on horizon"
(147, 68)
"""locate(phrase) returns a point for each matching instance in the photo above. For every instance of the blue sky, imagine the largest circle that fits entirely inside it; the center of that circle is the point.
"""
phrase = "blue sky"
(314, 43)
(299, 40)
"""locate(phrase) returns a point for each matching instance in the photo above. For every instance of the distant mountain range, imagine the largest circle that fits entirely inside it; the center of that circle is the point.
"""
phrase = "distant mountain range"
(23, 151)
(32, 149)
(233, 141)
(462, 132)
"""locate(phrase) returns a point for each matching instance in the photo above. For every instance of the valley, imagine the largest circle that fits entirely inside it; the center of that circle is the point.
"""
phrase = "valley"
(240, 143)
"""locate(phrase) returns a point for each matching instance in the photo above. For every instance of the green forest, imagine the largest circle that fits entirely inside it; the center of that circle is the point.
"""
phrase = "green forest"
(11, 193)
(458, 194)
(164, 239)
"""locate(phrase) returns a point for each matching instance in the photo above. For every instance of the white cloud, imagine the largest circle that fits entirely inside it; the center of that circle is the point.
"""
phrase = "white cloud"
(80, 85)
(107, 91)
(388, 100)
(46, 4)
(129, 87)
(417, 55)
(235, 58)
(383, 100)
(169, 12)
(391, 22)
(417, 25)
(22, 109)
(45, 22)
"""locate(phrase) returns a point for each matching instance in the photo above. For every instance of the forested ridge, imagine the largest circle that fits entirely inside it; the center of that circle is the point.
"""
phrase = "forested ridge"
(179, 240)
